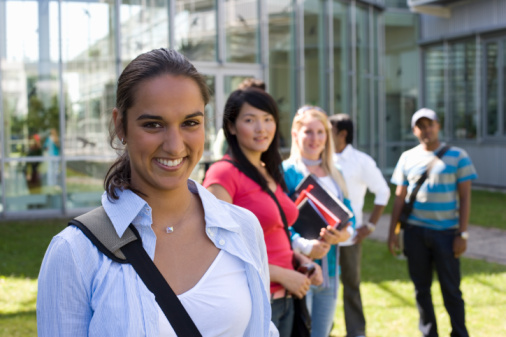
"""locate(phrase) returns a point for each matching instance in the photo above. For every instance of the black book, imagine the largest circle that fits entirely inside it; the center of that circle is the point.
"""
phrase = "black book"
(318, 209)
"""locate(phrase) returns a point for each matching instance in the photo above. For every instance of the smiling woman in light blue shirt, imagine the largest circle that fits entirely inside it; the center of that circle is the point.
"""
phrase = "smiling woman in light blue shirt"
(211, 253)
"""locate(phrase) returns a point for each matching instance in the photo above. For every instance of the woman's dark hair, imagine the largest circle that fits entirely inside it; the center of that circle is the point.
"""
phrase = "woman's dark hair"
(271, 158)
(144, 67)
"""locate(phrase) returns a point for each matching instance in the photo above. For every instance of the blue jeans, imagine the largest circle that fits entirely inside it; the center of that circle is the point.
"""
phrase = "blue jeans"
(427, 249)
(282, 315)
(321, 303)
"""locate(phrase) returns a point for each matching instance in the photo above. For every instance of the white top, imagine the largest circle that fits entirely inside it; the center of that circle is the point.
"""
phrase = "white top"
(220, 297)
(361, 173)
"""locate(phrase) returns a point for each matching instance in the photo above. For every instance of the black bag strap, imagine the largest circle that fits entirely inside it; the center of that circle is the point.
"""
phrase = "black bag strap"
(168, 301)
(422, 179)
(99, 229)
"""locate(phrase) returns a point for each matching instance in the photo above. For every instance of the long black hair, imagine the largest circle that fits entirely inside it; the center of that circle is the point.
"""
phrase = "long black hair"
(271, 158)
(146, 66)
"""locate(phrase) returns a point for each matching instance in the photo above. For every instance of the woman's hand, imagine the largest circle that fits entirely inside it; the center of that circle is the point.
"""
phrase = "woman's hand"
(317, 275)
(333, 236)
(296, 283)
(320, 249)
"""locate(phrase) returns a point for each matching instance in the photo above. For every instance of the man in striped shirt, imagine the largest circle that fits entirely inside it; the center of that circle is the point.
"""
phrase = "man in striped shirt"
(436, 234)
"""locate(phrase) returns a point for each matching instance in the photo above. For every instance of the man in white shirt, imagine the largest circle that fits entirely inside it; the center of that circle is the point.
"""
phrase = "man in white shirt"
(360, 173)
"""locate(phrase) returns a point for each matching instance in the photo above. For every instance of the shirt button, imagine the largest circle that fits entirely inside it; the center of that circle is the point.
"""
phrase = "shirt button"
(222, 242)
(210, 232)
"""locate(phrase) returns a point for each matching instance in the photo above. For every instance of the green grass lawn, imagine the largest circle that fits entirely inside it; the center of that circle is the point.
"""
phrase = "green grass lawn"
(386, 290)
(22, 247)
(389, 303)
(486, 207)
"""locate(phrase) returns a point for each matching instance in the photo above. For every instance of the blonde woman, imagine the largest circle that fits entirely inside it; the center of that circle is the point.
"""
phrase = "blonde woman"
(311, 153)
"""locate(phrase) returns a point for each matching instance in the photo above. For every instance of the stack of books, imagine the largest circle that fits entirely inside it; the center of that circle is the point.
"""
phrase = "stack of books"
(318, 208)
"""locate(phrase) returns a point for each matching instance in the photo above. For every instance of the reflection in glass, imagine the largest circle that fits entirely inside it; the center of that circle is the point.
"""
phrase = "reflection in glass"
(22, 192)
(503, 42)
(314, 52)
(211, 132)
(364, 73)
(491, 87)
(435, 81)
(341, 93)
(462, 84)
(85, 182)
(195, 29)
(144, 26)
(30, 83)
(401, 72)
(282, 69)
(241, 25)
(211, 114)
(89, 76)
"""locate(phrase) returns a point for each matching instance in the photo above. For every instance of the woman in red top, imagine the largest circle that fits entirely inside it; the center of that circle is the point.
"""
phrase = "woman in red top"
(250, 124)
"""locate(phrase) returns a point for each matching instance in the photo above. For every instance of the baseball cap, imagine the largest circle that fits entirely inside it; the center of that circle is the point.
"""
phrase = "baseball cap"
(423, 113)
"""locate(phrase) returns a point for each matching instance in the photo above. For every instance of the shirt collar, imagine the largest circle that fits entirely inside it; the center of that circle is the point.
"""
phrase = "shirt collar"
(128, 208)
(212, 206)
(347, 152)
(131, 208)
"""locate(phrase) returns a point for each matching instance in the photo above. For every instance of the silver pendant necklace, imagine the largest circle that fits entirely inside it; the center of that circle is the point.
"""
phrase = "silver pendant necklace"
(170, 229)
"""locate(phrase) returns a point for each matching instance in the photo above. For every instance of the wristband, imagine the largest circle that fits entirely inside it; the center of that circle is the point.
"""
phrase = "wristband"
(370, 226)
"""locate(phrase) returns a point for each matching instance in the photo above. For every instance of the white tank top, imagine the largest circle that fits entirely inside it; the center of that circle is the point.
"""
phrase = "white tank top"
(220, 303)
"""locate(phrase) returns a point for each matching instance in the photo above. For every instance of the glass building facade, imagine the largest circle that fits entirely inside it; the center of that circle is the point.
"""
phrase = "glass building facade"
(464, 81)
(59, 62)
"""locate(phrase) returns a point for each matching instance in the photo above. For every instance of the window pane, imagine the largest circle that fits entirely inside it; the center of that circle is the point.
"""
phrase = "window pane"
(314, 52)
(401, 75)
(85, 182)
(241, 21)
(195, 29)
(30, 80)
(462, 84)
(34, 183)
(491, 86)
(144, 26)
(282, 63)
(211, 113)
(341, 60)
(89, 76)
(363, 77)
(504, 86)
(434, 81)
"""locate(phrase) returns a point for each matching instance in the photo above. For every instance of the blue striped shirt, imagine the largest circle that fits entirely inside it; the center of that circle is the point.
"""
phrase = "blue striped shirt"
(436, 204)
(84, 293)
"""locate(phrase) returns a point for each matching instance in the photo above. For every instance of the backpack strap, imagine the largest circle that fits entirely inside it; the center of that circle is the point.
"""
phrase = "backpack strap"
(97, 226)
(99, 229)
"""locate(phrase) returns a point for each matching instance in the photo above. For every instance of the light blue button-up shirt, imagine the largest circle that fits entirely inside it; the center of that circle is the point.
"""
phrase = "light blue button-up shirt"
(83, 293)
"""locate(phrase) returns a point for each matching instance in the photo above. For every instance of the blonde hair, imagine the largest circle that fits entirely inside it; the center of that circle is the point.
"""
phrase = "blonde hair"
(328, 151)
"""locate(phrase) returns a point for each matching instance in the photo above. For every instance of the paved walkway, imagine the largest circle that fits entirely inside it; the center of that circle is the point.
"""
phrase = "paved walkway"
(487, 244)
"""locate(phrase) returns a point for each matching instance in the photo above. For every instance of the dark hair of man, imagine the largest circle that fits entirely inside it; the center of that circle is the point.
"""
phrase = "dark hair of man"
(152, 64)
(271, 158)
(343, 122)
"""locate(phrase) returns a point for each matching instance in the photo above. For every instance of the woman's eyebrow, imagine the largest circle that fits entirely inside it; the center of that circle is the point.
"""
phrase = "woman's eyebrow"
(148, 116)
(195, 114)
(159, 118)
